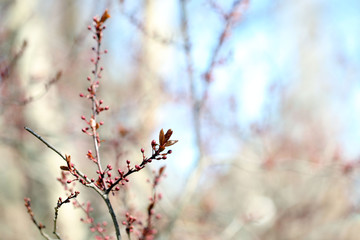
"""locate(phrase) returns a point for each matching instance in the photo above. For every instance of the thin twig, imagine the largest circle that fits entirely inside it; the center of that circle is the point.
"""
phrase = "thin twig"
(45, 142)
(88, 182)
(94, 112)
(58, 205)
(40, 226)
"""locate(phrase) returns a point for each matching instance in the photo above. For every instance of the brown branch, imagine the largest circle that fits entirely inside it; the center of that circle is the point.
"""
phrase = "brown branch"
(88, 182)
(45, 142)
(58, 205)
(39, 225)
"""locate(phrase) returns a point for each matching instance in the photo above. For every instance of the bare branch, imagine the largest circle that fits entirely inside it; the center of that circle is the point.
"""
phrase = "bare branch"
(45, 142)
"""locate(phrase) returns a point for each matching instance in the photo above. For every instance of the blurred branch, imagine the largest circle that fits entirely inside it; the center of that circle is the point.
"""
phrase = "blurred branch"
(195, 172)
(231, 18)
(46, 89)
(198, 101)
(150, 34)
(6, 70)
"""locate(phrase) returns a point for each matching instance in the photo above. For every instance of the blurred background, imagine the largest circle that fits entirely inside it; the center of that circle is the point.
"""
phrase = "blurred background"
(263, 96)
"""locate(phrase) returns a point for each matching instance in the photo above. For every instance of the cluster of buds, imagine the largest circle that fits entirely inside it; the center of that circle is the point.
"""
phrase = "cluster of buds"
(164, 142)
(93, 125)
(145, 230)
(107, 181)
(98, 228)
(108, 178)
(148, 231)
(158, 153)
(70, 169)
(130, 220)
(67, 200)
(99, 25)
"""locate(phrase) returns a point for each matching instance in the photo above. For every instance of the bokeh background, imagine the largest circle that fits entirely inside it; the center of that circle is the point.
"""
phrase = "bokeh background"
(263, 96)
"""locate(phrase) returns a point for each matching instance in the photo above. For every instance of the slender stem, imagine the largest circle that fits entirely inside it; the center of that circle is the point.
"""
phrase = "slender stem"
(55, 223)
(89, 183)
(45, 142)
(113, 216)
(94, 112)
(44, 235)
(105, 195)
(130, 171)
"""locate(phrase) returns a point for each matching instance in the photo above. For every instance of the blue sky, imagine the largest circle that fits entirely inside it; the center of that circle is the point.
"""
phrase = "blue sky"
(264, 50)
